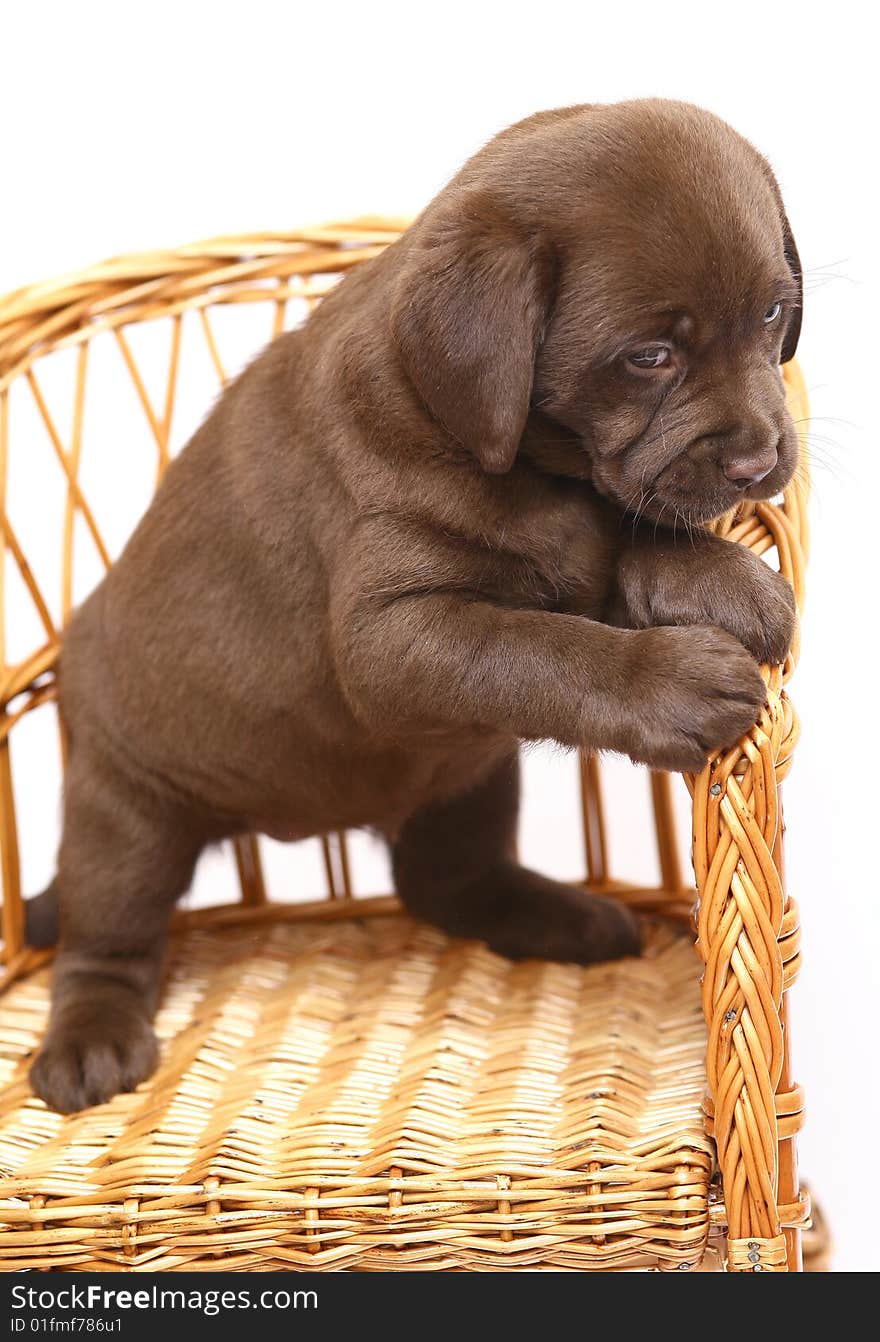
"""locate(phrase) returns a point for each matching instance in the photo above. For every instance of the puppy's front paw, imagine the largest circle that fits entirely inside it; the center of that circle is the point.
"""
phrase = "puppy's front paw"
(88, 1060)
(718, 585)
(695, 690)
(759, 610)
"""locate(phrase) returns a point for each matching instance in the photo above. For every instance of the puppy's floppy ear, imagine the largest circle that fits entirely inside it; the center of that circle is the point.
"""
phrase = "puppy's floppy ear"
(792, 334)
(467, 318)
(789, 247)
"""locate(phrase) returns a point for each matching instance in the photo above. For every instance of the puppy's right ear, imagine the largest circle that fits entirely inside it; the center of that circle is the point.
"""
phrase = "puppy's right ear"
(792, 335)
(468, 317)
(793, 261)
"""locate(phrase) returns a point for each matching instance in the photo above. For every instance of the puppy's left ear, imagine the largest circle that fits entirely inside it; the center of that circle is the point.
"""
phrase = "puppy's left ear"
(792, 334)
(468, 316)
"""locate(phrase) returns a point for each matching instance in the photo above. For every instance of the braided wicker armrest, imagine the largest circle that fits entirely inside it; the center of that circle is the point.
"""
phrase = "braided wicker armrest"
(748, 934)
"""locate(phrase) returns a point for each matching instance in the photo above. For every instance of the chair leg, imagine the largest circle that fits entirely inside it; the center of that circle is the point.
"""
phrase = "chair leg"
(789, 1191)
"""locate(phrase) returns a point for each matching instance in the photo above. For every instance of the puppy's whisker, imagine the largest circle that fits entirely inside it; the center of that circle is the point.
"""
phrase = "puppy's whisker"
(816, 457)
(659, 516)
(822, 440)
(820, 275)
(687, 521)
(826, 266)
(824, 419)
(643, 504)
(640, 490)
(626, 510)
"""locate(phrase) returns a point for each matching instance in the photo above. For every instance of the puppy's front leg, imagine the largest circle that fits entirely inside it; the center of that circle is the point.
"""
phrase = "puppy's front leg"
(420, 663)
(665, 579)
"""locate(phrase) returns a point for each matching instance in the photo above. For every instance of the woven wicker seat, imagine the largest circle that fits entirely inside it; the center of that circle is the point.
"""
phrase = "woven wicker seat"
(341, 1087)
(368, 1095)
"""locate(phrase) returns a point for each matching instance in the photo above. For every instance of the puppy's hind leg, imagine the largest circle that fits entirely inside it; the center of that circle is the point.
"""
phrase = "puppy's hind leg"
(41, 917)
(454, 866)
(125, 857)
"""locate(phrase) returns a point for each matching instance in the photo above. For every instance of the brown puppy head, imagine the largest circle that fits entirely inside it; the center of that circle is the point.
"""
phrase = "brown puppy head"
(625, 280)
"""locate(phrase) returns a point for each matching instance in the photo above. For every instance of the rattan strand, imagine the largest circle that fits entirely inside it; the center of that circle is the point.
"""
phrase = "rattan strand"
(139, 1213)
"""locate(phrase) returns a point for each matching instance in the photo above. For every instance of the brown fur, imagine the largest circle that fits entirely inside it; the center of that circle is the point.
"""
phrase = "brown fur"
(446, 516)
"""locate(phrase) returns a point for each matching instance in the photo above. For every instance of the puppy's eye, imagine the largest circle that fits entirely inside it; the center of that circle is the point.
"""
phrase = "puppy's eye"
(772, 313)
(652, 356)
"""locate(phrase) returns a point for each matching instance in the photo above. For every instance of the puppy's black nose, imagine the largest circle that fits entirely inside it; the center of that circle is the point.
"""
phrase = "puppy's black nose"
(747, 471)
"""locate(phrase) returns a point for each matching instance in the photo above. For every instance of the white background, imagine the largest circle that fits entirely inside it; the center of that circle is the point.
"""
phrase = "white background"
(135, 127)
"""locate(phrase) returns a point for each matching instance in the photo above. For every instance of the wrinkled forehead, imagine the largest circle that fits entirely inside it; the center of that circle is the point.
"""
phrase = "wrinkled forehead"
(699, 230)
(679, 256)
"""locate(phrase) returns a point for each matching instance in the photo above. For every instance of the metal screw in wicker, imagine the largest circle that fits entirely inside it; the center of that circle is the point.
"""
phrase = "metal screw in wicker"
(340, 1087)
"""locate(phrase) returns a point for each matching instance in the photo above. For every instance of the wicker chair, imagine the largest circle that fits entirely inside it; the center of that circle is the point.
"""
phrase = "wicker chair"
(340, 1087)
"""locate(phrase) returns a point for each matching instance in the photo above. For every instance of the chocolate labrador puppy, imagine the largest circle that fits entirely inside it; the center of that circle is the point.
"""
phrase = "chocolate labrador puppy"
(461, 508)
